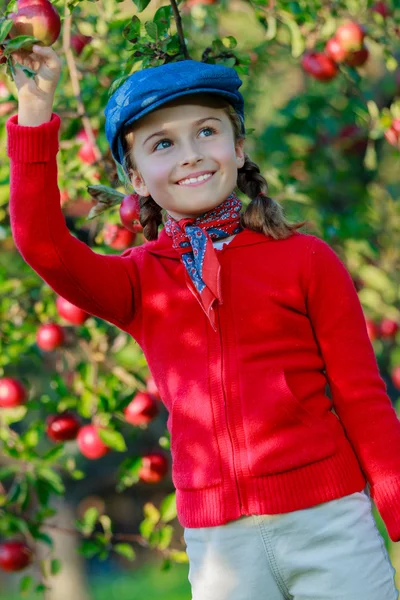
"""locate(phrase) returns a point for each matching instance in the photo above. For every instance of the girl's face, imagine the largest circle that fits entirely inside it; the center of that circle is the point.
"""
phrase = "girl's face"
(178, 140)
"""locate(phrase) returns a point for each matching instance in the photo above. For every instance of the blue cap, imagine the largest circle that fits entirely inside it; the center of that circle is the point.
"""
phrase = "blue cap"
(148, 89)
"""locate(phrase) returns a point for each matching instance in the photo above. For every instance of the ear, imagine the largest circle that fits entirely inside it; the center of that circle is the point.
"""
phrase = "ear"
(240, 158)
(138, 183)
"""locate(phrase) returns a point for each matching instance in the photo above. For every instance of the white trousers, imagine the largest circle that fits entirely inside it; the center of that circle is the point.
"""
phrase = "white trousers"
(332, 551)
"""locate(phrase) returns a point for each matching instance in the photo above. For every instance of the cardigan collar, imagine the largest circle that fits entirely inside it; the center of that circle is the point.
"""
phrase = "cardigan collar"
(163, 245)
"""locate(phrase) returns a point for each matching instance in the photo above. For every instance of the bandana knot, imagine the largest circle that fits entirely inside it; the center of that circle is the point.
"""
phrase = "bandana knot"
(192, 239)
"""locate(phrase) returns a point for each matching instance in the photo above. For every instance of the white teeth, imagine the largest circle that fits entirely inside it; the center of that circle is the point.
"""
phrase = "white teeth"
(194, 180)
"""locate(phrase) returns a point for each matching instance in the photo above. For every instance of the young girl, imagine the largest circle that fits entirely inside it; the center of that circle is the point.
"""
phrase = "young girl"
(243, 321)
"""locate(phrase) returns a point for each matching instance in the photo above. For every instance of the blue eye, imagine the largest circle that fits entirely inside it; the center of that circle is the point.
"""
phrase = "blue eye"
(167, 140)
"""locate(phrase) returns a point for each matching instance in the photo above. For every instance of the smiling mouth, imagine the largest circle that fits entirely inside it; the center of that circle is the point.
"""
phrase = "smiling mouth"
(196, 183)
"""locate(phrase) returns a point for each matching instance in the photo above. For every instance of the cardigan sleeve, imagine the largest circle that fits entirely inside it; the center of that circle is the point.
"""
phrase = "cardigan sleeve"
(359, 393)
(104, 286)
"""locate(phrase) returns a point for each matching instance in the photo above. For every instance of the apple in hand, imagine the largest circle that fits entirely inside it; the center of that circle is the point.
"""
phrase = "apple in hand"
(50, 336)
(89, 442)
(62, 427)
(15, 555)
(12, 392)
(129, 212)
(154, 467)
(71, 313)
(142, 409)
(38, 18)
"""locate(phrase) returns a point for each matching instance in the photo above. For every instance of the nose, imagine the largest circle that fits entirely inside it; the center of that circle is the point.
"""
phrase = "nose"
(192, 154)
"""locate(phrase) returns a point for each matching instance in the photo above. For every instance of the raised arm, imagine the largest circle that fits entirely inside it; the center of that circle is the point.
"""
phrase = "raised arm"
(105, 286)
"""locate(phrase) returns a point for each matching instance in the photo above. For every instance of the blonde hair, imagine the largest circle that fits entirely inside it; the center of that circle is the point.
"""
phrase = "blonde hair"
(263, 214)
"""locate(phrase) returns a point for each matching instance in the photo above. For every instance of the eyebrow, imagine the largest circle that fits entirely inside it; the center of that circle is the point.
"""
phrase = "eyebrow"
(165, 131)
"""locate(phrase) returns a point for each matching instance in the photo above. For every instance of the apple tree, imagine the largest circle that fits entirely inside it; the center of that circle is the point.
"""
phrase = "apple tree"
(322, 90)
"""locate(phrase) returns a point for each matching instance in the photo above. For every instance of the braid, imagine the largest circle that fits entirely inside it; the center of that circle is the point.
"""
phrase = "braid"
(150, 217)
(263, 214)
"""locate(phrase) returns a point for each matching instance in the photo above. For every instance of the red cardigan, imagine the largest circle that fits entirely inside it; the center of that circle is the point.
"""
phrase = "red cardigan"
(252, 427)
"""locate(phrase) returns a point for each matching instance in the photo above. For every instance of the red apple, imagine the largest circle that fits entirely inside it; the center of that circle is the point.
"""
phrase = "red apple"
(71, 313)
(79, 41)
(372, 328)
(152, 388)
(350, 36)
(129, 212)
(352, 140)
(396, 376)
(15, 555)
(382, 9)
(63, 427)
(90, 444)
(118, 237)
(12, 392)
(392, 134)
(50, 336)
(86, 151)
(319, 66)
(38, 18)
(388, 328)
(357, 58)
(142, 409)
(154, 467)
(334, 50)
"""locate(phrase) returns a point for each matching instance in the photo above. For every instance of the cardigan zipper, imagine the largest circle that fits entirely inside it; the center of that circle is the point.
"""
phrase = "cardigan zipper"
(225, 408)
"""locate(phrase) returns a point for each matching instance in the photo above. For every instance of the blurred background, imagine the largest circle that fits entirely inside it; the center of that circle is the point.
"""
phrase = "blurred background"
(324, 130)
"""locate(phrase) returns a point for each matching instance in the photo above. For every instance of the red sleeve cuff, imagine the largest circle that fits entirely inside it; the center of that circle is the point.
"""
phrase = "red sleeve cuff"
(386, 496)
(32, 144)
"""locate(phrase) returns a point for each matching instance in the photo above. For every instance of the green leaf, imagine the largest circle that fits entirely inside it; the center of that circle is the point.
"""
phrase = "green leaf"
(113, 439)
(20, 41)
(297, 40)
(25, 584)
(229, 42)
(163, 19)
(168, 508)
(151, 512)
(13, 415)
(141, 4)
(106, 524)
(125, 550)
(146, 528)
(5, 26)
(271, 28)
(52, 478)
(89, 548)
(54, 453)
(77, 474)
(106, 198)
(152, 30)
(179, 556)
(166, 534)
(89, 520)
(55, 566)
(8, 471)
(132, 30)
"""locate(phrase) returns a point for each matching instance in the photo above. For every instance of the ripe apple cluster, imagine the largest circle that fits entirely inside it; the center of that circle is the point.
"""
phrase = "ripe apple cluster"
(346, 46)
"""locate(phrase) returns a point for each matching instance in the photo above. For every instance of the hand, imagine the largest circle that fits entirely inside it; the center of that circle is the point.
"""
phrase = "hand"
(41, 88)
